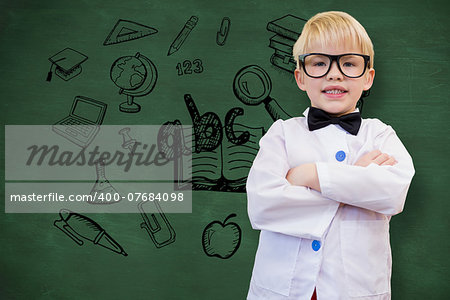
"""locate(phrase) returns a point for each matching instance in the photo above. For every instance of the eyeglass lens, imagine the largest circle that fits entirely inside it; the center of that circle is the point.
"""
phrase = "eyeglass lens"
(318, 65)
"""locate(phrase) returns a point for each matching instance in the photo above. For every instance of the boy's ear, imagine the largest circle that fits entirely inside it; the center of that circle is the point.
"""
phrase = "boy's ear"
(300, 79)
(369, 79)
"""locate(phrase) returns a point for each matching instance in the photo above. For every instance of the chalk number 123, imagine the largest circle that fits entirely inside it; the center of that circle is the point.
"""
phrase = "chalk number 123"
(186, 68)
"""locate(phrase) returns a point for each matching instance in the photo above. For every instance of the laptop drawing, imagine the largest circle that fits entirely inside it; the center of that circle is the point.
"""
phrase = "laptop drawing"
(83, 122)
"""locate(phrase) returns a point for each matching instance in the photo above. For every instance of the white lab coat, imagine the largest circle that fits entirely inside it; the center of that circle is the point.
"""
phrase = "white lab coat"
(336, 241)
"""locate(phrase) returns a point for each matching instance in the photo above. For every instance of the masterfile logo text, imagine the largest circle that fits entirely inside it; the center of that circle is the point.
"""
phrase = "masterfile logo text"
(139, 155)
(47, 170)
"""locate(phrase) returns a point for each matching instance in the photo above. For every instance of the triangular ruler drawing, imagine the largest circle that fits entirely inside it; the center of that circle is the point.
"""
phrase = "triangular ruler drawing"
(125, 31)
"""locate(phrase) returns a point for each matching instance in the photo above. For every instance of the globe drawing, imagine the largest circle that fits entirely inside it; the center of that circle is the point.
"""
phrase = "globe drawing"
(128, 73)
(136, 77)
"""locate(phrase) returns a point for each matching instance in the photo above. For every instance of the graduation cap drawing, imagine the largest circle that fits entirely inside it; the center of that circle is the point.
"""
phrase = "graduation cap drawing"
(68, 64)
(125, 30)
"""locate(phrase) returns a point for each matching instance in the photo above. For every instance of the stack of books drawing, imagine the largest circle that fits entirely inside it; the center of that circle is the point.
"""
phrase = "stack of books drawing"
(287, 29)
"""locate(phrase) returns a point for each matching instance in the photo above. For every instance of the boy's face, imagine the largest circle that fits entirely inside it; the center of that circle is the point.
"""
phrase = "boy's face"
(347, 91)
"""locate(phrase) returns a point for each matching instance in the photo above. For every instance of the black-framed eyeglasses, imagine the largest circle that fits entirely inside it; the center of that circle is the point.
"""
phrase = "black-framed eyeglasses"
(317, 65)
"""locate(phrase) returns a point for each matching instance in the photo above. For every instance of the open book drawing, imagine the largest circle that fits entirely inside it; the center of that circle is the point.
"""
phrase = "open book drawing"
(221, 155)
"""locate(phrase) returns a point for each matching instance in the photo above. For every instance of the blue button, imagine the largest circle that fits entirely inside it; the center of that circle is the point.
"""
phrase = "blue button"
(316, 245)
(340, 155)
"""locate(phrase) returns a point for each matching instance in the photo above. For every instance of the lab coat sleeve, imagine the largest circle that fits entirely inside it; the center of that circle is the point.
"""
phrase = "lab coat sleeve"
(276, 205)
(381, 189)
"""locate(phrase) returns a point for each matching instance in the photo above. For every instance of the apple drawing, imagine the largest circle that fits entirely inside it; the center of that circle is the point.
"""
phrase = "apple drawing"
(221, 239)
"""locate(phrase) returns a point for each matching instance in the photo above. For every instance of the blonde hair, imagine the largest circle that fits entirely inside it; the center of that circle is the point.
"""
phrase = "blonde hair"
(333, 27)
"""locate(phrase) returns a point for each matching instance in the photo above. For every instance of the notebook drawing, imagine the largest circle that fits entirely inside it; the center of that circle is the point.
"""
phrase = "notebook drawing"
(83, 122)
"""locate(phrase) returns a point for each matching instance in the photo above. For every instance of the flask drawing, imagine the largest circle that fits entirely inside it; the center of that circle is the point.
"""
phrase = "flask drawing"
(103, 192)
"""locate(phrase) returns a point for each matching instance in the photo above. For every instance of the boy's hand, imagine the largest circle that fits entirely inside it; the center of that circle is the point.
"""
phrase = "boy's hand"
(376, 157)
(304, 175)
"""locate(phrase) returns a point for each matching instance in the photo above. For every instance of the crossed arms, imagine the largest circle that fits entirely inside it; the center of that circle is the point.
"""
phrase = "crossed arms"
(302, 201)
(306, 174)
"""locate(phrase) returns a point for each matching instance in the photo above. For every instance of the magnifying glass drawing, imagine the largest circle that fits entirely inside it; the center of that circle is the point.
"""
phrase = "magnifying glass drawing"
(252, 86)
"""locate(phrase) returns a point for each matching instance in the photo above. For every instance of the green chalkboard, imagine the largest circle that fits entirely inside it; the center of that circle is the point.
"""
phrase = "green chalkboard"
(193, 52)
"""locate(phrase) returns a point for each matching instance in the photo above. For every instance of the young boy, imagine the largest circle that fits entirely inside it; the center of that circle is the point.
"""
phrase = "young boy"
(323, 187)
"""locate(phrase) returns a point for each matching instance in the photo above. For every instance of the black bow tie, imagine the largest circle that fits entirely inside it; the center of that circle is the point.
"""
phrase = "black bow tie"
(318, 118)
